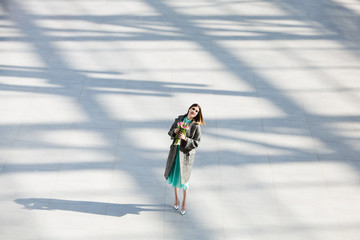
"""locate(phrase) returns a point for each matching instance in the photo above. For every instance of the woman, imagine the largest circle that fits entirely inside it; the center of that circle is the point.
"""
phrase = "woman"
(181, 156)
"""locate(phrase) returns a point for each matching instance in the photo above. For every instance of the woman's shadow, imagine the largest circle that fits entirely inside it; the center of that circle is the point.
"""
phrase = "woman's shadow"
(100, 208)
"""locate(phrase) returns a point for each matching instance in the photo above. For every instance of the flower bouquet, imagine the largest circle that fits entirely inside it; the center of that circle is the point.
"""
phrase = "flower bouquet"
(182, 126)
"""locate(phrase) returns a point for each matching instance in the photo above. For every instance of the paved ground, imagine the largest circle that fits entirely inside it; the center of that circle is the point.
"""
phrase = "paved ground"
(88, 90)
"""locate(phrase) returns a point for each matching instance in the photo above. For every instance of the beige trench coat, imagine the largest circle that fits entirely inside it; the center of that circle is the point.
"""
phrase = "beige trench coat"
(187, 149)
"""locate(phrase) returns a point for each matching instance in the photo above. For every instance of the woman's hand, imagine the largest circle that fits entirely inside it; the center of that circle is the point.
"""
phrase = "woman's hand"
(182, 136)
(176, 131)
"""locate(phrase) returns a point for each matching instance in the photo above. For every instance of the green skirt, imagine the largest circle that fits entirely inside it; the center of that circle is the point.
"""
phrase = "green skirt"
(174, 178)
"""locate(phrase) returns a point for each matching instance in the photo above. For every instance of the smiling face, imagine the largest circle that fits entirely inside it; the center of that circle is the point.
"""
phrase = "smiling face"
(193, 112)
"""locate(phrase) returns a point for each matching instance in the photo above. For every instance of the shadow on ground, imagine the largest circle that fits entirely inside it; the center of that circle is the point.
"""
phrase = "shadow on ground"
(99, 208)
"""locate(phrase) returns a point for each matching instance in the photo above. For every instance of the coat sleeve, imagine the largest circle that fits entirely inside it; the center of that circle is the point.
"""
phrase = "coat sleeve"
(194, 140)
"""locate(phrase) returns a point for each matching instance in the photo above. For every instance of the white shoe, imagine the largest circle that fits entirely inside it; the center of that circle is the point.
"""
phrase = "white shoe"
(182, 212)
(176, 207)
